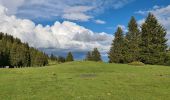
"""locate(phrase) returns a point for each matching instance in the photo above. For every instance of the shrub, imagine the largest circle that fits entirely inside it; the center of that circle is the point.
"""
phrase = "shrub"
(137, 63)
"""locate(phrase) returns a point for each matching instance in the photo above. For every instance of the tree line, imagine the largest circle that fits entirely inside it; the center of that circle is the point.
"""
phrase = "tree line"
(146, 44)
(14, 53)
(90, 56)
(93, 55)
(61, 59)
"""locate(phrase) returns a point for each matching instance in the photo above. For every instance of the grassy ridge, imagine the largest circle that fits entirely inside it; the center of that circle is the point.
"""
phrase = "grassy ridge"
(86, 81)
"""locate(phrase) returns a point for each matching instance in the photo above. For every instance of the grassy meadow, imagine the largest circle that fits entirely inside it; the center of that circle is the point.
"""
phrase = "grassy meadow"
(86, 81)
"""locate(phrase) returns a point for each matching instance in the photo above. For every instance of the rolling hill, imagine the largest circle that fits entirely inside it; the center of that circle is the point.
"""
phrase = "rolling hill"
(86, 81)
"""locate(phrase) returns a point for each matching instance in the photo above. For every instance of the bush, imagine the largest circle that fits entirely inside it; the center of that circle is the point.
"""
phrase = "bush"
(137, 63)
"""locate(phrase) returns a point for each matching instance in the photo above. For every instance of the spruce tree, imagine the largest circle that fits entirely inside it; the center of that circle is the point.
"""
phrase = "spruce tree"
(69, 57)
(96, 55)
(25, 55)
(132, 41)
(1, 52)
(153, 42)
(61, 59)
(117, 51)
(88, 56)
(14, 53)
(15, 56)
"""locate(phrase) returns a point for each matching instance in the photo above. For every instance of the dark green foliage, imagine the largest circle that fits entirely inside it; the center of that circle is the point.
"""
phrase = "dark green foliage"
(61, 59)
(96, 55)
(69, 57)
(38, 58)
(117, 51)
(41, 59)
(4, 52)
(14, 53)
(153, 42)
(89, 56)
(132, 41)
(93, 56)
(148, 46)
(167, 59)
(53, 57)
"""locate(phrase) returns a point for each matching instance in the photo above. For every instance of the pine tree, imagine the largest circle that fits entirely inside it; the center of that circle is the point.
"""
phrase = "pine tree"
(40, 59)
(69, 57)
(1, 52)
(88, 56)
(132, 41)
(96, 55)
(14, 53)
(117, 51)
(25, 55)
(61, 59)
(153, 41)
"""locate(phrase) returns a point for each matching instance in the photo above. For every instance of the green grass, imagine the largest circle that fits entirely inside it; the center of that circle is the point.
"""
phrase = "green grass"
(86, 81)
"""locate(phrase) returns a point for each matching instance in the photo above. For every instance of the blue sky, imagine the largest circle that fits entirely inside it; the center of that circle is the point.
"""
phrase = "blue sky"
(60, 26)
(113, 17)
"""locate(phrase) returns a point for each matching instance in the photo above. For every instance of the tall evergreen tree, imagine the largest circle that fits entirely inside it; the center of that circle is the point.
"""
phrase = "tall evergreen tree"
(153, 41)
(69, 57)
(96, 55)
(1, 52)
(88, 56)
(61, 59)
(25, 55)
(40, 59)
(4, 53)
(132, 41)
(14, 53)
(15, 56)
(117, 52)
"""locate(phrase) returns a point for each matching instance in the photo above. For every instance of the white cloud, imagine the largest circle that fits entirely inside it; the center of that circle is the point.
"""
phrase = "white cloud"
(77, 13)
(82, 10)
(98, 21)
(123, 28)
(163, 15)
(66, 35)
(12, 5)
(156, 7)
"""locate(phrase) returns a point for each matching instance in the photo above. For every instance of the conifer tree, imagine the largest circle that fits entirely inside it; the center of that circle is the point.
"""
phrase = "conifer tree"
(61, 59)
(25, 55)
(96, 55)
(116, 53)
(1, 52)
(15, 58)
(14, 53)
(69, 57)
(153, 41)
(88, 56)
(132, 41)
(4, 55)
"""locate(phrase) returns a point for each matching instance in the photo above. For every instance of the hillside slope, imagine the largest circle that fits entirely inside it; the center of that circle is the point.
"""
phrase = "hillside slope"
(86, 81)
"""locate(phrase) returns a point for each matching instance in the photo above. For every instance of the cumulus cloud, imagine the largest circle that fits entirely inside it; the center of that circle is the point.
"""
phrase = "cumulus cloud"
(98, 21)
(59, 36)
(81, 10)
(162, 14)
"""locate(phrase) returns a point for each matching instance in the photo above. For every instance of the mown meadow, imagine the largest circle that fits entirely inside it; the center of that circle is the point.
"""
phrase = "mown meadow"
(86, 81)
